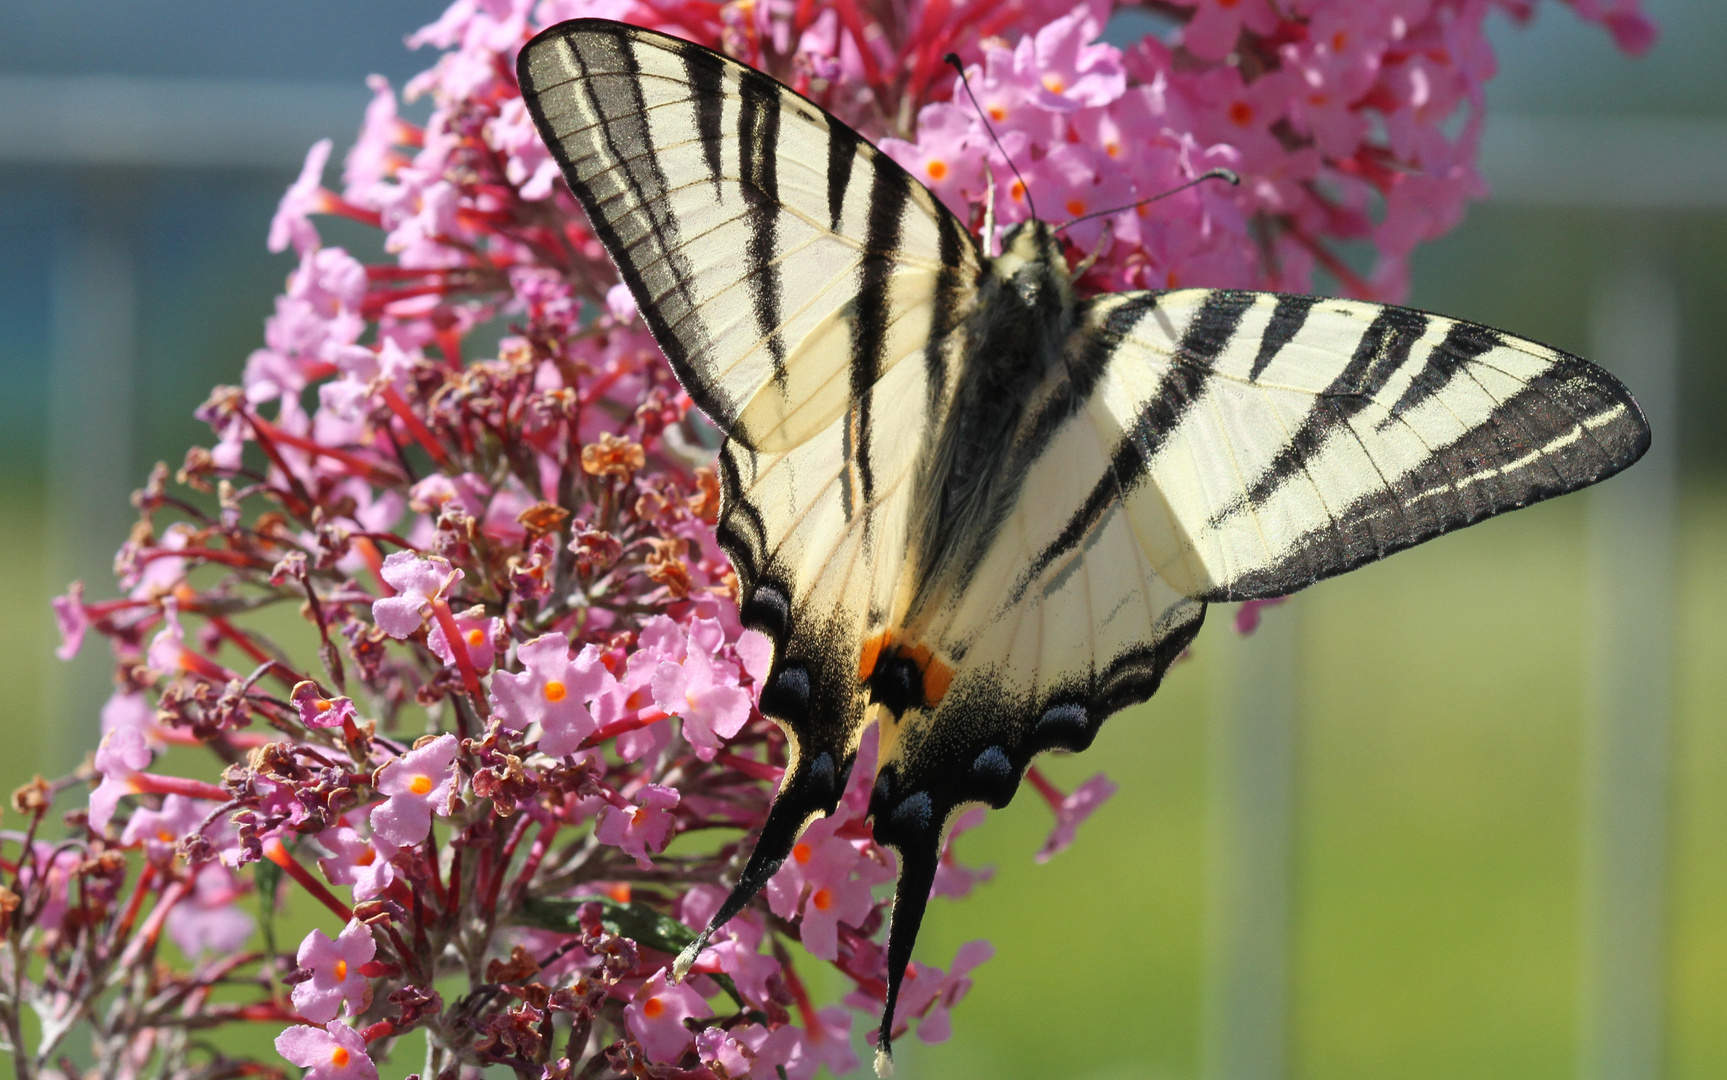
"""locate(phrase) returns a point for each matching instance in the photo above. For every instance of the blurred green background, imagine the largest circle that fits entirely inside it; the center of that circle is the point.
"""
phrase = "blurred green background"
(1438, 885)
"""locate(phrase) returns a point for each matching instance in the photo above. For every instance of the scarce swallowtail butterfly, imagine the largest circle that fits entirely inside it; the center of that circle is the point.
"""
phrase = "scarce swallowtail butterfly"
(964, 501)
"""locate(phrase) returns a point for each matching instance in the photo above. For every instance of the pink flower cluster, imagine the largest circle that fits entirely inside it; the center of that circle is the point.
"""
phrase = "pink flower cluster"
(521, 680)
(1348, 122)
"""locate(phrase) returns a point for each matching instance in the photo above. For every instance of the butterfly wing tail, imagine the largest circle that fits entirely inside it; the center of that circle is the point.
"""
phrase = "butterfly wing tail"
(920, 855)
(812, 789)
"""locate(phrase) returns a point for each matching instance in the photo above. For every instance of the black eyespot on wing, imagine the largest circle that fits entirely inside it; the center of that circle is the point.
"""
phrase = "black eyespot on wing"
(1062, 727)
(821, 776)
(897, 683)
(913, 816)
(881, 796)
(769, 609)
(994, 776)
(787, 694)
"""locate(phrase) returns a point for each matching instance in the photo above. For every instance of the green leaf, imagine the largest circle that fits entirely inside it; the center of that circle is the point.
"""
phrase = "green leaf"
(638, 922)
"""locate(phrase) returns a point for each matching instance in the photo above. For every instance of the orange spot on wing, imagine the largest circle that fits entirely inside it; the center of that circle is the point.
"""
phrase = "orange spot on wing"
(871, 654)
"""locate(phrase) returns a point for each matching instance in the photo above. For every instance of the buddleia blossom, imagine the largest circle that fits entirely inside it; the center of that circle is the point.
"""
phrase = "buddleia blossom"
(522, 702)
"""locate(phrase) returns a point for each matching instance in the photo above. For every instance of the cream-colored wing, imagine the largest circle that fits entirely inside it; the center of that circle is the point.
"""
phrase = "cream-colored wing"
(782, 262)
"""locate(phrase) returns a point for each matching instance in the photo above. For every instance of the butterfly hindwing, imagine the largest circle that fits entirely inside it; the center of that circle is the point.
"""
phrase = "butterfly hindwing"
(782, 262)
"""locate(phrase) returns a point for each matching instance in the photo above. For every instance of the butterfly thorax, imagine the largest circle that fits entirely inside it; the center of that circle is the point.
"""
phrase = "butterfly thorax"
(1014, 338)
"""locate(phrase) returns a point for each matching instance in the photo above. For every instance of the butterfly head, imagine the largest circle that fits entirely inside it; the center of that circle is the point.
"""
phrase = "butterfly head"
(1032, 266)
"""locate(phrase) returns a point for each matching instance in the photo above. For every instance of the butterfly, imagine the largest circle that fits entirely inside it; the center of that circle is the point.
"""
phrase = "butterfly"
(965, 502)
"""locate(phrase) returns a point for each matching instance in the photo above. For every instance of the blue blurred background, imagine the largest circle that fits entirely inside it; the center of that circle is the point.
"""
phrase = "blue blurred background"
(1460, 814)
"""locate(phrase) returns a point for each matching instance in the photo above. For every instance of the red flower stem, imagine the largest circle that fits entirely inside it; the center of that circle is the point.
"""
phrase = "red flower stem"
(197, 664)
(335, 204)
(140, 889)
(383, 1029)
(495, 882)
(374, 562)
(623, 727)
(459, 649)
(1051, 794)
(244, 740)
(268, 1012)
(853, 22)
(542, 844)
(366, 470)
(227, 558)
(157, 784)
(806, 1008)
(758, 770)
(298, 500)
(421, 433)
(153, 922)
(276, 853)
(453, 895)
(450, 343)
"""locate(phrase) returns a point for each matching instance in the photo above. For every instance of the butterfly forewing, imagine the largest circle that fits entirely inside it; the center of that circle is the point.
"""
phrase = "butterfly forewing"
(782, 262)
(1264, 442)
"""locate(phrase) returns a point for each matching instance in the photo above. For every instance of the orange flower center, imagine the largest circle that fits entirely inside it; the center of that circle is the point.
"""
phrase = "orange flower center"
(822, 899)
(1241, 113)
(341, 970)
(653, 1008)
(1075, 207)
(1113, 149)
(420, 785)
(367, 858)
(476, 638)
(323, 705)
(1017, 191)
(801, 853)
(937, 169)
(997, 113)
(1053, 84)
(339, 1057)
(556, 691)
(1338, 41)
(165, 836)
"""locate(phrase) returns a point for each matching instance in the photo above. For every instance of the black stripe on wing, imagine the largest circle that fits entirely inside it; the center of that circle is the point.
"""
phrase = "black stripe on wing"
(1589, 428)
(605, 55)
(1202, 342)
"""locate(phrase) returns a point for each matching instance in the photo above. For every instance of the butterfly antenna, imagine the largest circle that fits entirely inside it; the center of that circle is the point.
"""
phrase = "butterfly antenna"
(953, 58)
(1214, 174)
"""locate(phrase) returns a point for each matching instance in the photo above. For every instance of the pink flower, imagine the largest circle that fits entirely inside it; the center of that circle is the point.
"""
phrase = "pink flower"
(828, 880)
(1216, 24)
(951, 879)
(208, 921)
(160, 830)
(655, 1017)
(122, 755)
(734, 948)
(417, 581)
(704, 691)
(333, 1053)
(551, 692)
(827, 1042)
(373, 156)
(724, 1055)
(354, 860)
(641, 828)
(1071, 810)
(69, 616)
(419, 784)
(318, 711)
(306, 196)
(930, 994)
(1248, 614)
(481, 634)
(335, 967)
(132, 710)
